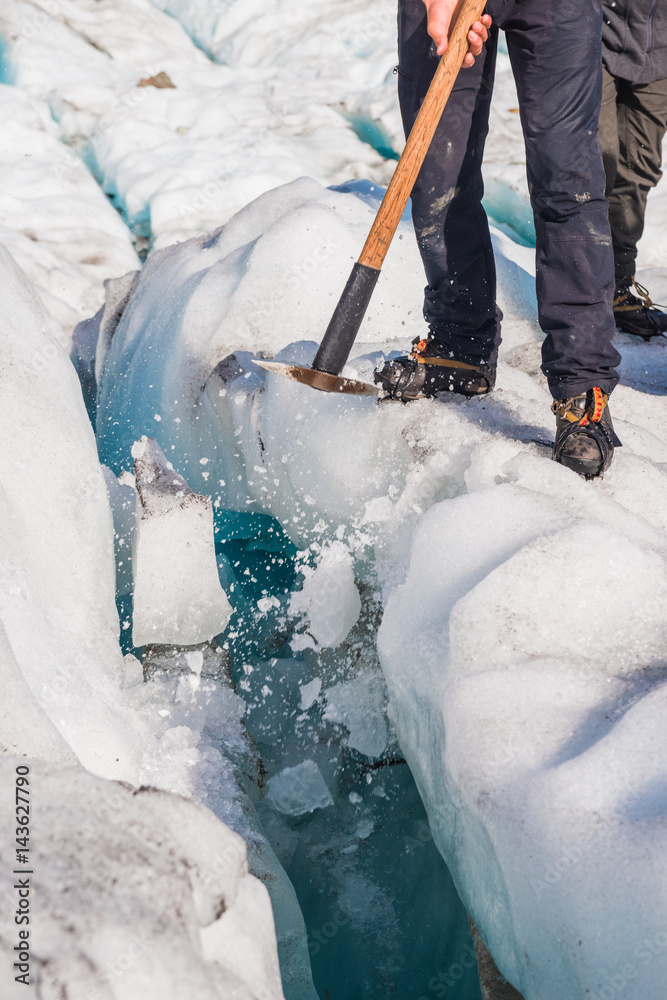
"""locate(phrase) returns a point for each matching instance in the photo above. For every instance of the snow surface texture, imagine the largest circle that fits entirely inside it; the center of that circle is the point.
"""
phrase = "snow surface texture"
(184, 919)
(54, 220)
(525, 610)
(262, 94)
(179, 160)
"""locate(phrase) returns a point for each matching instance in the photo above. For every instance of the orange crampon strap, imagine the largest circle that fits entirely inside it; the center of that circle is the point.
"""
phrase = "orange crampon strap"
(594, 412)
(418, 354)
(419, 348)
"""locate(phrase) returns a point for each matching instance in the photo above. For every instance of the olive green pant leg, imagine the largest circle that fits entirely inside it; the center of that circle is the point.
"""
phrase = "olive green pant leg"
(633, 122)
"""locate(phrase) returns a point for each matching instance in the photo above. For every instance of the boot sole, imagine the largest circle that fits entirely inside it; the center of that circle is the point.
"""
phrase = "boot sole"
(406, 397)
(646, 337)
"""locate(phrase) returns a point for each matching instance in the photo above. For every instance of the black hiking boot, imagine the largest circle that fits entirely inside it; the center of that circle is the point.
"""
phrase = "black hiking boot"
(634, 311)
(429, 370)
(585, 437)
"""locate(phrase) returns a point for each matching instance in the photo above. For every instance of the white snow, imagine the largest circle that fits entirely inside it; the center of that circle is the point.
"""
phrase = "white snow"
(136, 894)
(178, 599)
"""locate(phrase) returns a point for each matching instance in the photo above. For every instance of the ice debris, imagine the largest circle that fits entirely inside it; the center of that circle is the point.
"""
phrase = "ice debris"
(360, 705)
(329, 601)
(299, 790)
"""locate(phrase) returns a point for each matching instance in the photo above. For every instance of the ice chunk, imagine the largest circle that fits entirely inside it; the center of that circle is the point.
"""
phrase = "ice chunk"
(177, 594)
(329, 600)
(310, 693)
(359, 704)
(298, 790)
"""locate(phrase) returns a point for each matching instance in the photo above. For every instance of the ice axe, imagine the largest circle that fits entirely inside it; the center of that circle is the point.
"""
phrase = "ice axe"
(344, 324)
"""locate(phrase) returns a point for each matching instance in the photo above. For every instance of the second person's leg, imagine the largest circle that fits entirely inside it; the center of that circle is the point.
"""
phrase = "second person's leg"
(641, 121)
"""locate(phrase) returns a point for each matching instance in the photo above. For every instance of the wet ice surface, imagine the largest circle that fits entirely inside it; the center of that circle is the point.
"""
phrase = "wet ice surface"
(519, 613)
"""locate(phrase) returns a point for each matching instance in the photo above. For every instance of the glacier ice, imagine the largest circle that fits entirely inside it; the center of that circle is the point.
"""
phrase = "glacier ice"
(537, 748)
(54, 219)
(454, 517)
(25, 726)
(177, 595)
(178, 162)
(200, 748)
(72, 697)
(538, 801)
(56, 540)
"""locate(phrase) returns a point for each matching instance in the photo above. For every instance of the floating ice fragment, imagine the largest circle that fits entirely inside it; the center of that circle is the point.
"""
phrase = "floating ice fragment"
(134, 672)
(329, 600)
(359, 705)
(298, 790)
(195, 661)
(266, 603)
(364, 829)
(310, 693)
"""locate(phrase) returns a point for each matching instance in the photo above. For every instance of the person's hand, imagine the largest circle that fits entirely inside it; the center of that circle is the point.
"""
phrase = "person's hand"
(441, 14)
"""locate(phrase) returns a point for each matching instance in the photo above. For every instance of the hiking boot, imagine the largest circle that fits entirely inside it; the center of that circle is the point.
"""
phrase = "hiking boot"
(429, 370)
(585, 438)
(634, 311)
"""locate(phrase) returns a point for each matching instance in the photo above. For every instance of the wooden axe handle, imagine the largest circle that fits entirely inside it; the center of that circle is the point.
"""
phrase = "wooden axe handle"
(419, 140)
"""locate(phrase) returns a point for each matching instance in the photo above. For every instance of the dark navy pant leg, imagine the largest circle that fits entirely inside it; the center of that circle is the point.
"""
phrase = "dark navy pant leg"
(450, 223)
(555, 50)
